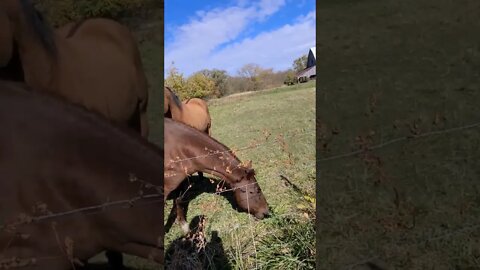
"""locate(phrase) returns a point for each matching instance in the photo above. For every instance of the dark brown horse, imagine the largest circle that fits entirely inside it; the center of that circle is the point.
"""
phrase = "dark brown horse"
(98, 66)
(57, 157)
(187, 151)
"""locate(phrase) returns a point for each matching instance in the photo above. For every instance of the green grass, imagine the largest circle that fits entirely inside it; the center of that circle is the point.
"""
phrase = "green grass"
(401, 62)
(288, 112)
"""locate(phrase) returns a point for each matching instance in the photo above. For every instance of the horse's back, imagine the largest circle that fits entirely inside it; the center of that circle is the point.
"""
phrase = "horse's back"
(101, 68)
(195, 114)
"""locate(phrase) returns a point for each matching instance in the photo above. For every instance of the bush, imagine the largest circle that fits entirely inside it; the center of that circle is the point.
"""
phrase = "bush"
(199, 86)
(219, 77)
(196, 86)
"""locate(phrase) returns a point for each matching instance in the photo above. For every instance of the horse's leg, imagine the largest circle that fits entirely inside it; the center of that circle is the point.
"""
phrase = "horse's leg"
(171, 217)
(181, 209)
(200, 174)
(115, 259)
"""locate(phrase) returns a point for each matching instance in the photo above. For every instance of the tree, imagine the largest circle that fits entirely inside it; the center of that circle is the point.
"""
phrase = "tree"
(219, 77)
(251, 72)
(175, 80)
(199, 86)
(290, 77)
(300, 63)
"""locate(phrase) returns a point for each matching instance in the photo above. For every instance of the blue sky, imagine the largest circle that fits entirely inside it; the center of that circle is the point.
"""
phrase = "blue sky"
(231, 33)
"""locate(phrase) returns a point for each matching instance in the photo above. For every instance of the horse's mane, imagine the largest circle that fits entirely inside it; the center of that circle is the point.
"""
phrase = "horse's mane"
(175, 98)
(39, 25)
(204, 136)
(75, 28)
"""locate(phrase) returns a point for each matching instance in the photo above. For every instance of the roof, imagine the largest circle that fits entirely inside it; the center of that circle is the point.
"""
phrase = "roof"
(314, 52)
(301, 73)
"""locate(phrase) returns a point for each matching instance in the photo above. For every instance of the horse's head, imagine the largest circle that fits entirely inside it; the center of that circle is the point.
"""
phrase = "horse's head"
(172, 103)
(248, 195)
(6, 39)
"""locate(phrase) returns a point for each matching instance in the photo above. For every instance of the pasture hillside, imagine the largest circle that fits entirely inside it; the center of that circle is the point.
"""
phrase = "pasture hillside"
(402, 77)
(277, 127)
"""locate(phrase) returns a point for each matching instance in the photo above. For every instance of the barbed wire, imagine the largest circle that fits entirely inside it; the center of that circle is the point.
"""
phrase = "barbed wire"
(103, 206)
(254, 144)
(136, 200)
(399, 139)
(437, 237)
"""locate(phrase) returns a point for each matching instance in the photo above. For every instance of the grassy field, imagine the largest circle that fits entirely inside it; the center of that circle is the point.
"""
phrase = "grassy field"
(289, 114)
(390, 69)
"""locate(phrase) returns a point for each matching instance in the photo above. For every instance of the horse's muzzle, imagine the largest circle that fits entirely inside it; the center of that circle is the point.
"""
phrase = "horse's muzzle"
(262, 215)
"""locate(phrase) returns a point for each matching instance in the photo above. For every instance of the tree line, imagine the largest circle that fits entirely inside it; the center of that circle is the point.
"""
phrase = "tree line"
(215, 83)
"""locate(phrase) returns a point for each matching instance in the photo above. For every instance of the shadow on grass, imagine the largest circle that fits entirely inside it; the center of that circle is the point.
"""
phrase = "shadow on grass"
(193, 251)
(190, 189)
(103, 266)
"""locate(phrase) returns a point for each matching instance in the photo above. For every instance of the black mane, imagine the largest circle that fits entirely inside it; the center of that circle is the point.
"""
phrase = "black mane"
(39, 25)
(175, 98)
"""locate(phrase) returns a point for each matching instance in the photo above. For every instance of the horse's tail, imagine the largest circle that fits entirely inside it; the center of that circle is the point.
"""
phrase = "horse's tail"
(209, 128)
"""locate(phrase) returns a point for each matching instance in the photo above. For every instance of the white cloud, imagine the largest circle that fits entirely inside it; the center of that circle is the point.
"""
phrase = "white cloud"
(276, 49)
(196, 44)
(269, 7)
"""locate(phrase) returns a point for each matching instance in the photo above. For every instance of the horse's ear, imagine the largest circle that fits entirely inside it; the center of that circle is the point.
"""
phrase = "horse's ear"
(250, 172)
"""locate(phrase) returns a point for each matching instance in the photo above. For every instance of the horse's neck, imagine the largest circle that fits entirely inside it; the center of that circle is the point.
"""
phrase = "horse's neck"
(216, 159)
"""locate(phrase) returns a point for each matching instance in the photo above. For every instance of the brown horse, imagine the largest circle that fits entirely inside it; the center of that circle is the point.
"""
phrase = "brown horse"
(196, 114)
(60, 158)
(188, 150)
(193, 112)
(98, 66)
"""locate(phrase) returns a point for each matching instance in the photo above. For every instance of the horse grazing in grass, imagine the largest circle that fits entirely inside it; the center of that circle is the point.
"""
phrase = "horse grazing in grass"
(187, 151)
(97, 66)
(193, 112)
(61, 158)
